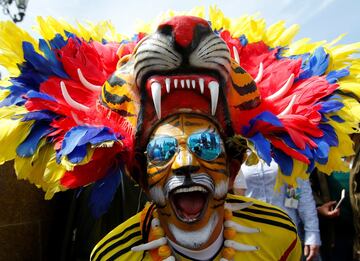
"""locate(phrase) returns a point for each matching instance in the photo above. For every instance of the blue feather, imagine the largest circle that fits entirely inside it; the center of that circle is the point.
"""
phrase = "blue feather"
(91, 132)
(243, 40)
(284, 161)
(29, 77)
(265, 116)
(104, 191)
(103, 136)
(323, 118)
(39, 115)
(53, 62)
(77, 154)
(311, 166)
(58, 42)
(15, 97)
(72, 139)
(262, 147)
(334, 76)
(337, 118)
(28, 147)
(321, 153)
(70, 35)
(315, 65)
(306, 152)
(40, 95)
(331, 106)
(329, 135)
(80, 136)
(35, 59)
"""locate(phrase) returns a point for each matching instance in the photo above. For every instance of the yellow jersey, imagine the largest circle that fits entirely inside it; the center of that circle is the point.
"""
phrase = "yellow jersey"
(277, 239)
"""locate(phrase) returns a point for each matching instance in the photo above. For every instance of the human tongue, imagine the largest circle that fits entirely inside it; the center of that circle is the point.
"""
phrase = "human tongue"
(190, 203)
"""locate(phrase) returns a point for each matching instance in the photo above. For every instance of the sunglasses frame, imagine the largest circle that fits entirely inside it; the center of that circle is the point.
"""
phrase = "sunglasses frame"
(158, 163)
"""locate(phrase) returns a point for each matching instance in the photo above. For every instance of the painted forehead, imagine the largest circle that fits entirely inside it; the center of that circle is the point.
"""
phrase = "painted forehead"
(184, 124)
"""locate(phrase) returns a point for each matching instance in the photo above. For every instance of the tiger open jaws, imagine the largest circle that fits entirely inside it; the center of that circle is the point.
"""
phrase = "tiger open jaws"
(189, 203)
(206, 85)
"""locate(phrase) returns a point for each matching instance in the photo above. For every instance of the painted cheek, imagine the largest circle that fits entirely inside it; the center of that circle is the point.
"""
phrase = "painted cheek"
(157, 174)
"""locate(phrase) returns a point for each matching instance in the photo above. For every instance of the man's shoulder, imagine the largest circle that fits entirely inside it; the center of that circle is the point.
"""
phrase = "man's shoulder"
(271, 230)
(119, 241)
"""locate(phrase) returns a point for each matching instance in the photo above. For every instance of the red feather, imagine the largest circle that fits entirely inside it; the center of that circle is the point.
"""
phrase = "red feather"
(280, 144)
(94, 170)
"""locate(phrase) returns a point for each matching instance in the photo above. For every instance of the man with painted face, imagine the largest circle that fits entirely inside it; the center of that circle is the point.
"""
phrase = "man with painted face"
(191, 217)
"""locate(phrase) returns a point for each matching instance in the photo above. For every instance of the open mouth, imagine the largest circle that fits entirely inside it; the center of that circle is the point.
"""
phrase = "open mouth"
(189, 203)
(206, 86)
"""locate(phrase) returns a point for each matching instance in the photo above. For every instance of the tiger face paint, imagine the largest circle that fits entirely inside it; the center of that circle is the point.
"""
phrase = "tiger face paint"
(188, 178)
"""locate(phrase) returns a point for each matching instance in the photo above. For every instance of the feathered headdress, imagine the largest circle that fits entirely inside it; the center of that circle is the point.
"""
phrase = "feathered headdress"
(75, 109)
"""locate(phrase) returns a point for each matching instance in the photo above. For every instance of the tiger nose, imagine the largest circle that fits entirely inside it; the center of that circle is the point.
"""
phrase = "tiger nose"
(185, 29)
(185, 163)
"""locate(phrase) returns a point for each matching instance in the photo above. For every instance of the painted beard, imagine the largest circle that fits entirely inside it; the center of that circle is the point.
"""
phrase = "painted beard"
(188, 197)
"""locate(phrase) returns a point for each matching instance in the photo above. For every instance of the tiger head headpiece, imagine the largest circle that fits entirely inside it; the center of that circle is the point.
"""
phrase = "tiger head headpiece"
(184, 67)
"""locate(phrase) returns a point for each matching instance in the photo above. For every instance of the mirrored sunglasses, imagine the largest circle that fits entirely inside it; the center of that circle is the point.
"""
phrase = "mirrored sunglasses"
(205, 145)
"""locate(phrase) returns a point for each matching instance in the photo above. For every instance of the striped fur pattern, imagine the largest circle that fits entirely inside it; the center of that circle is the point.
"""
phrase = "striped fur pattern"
(212, 53)
(242, 93)
(155, 53)
(119, 94)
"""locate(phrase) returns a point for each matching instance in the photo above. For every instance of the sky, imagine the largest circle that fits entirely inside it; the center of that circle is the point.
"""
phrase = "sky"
(319, 19)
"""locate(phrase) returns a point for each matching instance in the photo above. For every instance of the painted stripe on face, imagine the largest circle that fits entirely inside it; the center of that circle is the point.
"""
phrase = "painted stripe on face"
(202, 179)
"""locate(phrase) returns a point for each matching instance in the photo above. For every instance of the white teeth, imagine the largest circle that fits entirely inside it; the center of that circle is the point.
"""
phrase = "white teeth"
(156, 91)
(193, 84)
(191, 189)
(167, 83)
(188, 83)
(201, 84)
(156, 95)
(214, 92)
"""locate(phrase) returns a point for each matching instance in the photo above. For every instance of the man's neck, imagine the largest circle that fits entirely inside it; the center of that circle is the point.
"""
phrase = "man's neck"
(203, 254)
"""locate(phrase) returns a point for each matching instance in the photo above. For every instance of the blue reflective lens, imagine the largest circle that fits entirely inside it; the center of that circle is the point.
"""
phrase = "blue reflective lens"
(161, 149)
(206, 145)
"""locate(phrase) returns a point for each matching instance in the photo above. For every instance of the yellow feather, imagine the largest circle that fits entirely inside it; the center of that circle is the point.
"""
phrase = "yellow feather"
(11, 53)
(41, 169)
(12, 132)
(69, 166)
(48, 27)
(350, 86)
(217, 18)
(287, 36)
(4, 93)
(299, 171)
(273, 32)
(334, 163)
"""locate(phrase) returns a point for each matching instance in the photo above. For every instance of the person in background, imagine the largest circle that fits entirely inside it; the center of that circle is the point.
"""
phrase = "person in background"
(355, 195)
(239, 185)
(297, 202)
(336, 224)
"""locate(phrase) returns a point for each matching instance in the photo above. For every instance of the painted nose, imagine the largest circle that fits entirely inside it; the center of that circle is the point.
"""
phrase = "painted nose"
(185, 163)
(185, 28)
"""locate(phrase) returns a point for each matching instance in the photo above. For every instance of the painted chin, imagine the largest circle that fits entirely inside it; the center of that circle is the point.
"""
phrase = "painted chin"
(189, 204)
(195, 239)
